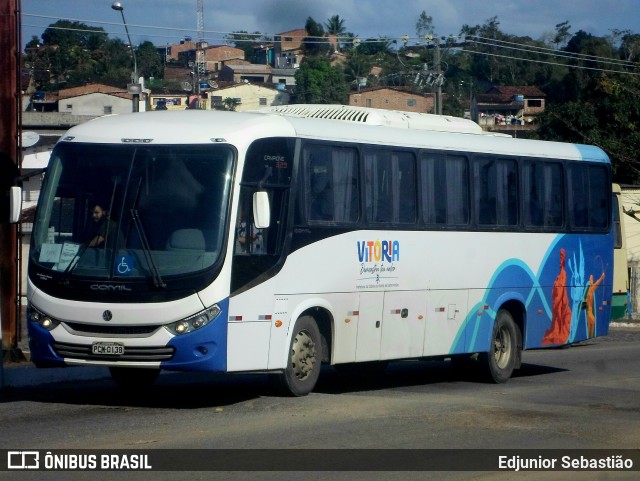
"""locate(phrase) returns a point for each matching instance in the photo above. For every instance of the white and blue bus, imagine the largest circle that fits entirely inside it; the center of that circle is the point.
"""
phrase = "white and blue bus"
(281, 240)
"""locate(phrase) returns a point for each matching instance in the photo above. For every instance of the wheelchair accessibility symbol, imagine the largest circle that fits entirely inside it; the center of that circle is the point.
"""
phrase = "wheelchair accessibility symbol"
(125, 265)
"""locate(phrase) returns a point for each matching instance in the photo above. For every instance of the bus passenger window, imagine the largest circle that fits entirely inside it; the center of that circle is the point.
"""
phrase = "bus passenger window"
(496, 192)
(406, 187)
(321, 195)
(587, 184)
(445, 189)
(542, 190)
(331, 184)
(391, 186)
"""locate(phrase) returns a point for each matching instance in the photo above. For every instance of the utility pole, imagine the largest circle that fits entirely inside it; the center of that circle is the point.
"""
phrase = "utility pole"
(201, 45)
(134, 88)
(10, 160)
(436, 59)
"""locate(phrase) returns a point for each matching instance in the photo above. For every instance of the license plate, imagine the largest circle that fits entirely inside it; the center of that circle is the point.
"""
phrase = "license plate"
(107, 348)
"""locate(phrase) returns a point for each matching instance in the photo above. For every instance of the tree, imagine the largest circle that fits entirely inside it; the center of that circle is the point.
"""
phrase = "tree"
(229, 103)
(335, 26)
(246, 41)
(315, 43)
(629, 44)
(562, 34)
(149, 61)
(317, 82)
(606, 114)
(424, 26)
(375, 47)
(65, 33)
(357, 68)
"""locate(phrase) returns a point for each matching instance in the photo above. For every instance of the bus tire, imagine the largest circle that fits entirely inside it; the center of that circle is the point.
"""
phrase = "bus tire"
(133, 378)
(304, 359)
(504, 354)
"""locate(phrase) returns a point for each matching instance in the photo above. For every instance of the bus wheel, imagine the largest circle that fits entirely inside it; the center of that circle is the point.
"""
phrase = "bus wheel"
(503, 355)
(303, 366)
(133, 378)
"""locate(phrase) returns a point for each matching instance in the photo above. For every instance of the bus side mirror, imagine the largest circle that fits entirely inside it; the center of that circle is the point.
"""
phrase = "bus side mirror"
(261, 210)
(15, 204)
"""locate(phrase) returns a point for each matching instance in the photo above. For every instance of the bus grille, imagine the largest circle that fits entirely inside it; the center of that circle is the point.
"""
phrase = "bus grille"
(111, 330)
(140, 354)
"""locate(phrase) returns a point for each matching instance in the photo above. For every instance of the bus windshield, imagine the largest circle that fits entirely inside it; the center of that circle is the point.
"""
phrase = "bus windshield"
(132, 211)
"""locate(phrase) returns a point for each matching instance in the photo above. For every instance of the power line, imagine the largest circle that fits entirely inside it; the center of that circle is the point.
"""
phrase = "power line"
(228, 36)
(257, 36)
(557, 52)
(565, 55)
(582, 67)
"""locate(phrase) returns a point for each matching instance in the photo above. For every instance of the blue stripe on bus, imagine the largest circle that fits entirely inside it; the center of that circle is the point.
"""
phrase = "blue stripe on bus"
(204, 349)
(592, 153)
(41, 346)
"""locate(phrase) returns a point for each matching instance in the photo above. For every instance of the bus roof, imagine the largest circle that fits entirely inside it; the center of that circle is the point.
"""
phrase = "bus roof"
(323, 122)
(387, 118)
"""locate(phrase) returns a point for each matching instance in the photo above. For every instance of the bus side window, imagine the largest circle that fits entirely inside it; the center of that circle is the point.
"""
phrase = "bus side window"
(321, 192)
(249, 240)
(496, 187)
(542, 194)
(444, 184)
(406, 187)
(331, 184)
(587, 184)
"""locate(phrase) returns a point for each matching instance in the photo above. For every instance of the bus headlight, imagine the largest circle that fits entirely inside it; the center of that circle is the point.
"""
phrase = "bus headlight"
(43, 320)
(194, 322)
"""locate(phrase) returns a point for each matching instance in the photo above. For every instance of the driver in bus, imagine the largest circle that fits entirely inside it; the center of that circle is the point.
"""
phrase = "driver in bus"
(103, 227)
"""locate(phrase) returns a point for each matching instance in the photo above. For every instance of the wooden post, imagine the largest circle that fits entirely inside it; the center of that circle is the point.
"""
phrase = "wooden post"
(10, 116)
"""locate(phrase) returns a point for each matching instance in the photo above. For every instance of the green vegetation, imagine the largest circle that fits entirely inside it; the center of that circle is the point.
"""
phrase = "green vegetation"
(592, 84)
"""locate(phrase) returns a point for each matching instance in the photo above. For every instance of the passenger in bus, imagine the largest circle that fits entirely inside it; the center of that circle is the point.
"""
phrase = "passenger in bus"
(103, 227)
(249, 239)
(321, 196)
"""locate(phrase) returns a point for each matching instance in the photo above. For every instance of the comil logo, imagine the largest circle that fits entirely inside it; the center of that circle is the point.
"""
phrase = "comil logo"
(23, 460)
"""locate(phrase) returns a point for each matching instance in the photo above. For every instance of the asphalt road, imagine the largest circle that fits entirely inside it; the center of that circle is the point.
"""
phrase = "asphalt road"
(583, 397)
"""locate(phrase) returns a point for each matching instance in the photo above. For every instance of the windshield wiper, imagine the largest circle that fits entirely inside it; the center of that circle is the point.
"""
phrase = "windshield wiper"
(146, 249)
(76, 259)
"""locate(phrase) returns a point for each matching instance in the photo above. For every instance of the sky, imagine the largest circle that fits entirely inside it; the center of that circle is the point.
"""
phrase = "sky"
(165, 22)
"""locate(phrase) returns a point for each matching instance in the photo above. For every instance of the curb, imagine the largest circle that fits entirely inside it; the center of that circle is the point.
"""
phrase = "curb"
(631, 323)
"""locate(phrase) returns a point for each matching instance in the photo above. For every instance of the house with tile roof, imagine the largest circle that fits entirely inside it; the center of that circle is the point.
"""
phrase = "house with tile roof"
(393, 98)
(94, 99)
(253, 72)
(248, 96)
(504, 107)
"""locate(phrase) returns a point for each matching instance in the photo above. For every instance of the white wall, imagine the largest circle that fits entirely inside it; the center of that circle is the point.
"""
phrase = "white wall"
(94, 104)
(251, 95)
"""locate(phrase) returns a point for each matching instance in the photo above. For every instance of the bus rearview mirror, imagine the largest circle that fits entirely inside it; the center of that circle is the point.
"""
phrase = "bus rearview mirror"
(15, 204)
(261, 210)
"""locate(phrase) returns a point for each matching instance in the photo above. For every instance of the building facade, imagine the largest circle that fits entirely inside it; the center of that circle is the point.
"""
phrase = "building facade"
(248, 96)
(393, 98)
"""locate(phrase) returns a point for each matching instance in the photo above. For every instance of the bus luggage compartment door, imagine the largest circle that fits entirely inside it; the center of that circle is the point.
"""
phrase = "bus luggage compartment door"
(403, 324)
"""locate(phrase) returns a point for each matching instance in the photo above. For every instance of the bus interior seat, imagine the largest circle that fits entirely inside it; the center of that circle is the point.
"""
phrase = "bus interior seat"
(186, 240)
